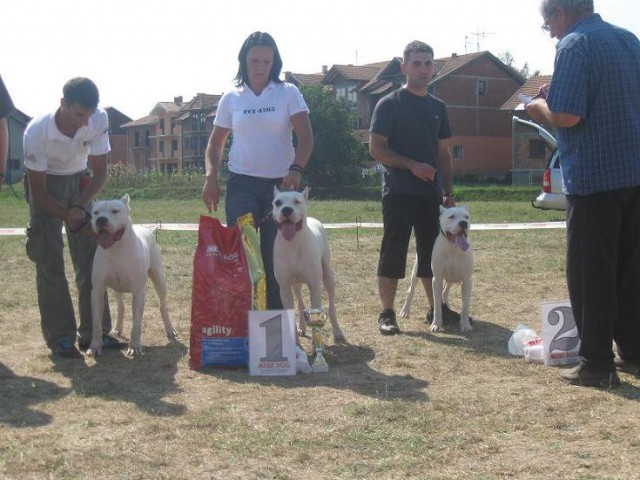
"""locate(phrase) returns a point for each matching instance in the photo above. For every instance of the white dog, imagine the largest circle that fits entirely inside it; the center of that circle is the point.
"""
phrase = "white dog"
(452, 262)
(301, 255)
(125, 257)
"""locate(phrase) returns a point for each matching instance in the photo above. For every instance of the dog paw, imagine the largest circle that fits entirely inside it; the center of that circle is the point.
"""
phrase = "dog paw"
(134, 351)
(404, 313)
(436, 328)
(466, 327)
(302, 332)
(116, 333)
(94, 351)
(173, 335)
(338, 337)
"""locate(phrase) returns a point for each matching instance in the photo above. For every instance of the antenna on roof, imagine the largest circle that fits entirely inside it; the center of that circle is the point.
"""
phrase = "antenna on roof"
(478, 35)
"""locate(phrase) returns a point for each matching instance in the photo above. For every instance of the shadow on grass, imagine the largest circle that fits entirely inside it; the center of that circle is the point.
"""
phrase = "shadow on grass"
(19, 395)
(349, 369)
(487, 338)
(491, 339)
(144, 380)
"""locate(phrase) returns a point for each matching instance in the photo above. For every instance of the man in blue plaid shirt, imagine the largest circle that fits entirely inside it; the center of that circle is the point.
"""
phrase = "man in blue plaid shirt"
(594, 101)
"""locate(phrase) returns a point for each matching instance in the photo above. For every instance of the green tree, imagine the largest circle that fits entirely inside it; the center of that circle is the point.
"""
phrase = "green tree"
(337, 155)
(507, 58)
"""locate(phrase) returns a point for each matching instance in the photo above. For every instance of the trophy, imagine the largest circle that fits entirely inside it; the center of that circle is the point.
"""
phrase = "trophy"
(316, 318)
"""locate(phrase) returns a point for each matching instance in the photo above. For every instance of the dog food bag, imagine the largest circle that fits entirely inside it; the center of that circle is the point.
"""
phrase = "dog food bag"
(222, 295)
(251, 243)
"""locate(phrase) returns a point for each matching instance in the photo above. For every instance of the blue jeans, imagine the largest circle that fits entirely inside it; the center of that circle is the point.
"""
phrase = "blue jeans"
(253, 194)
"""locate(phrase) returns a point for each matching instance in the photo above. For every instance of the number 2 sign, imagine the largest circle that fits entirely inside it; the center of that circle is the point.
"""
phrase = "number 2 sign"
(561, 340)
(272, 342)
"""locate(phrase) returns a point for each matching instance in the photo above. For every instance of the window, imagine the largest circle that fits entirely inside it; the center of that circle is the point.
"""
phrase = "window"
(458, 152)
(482, 87)
(537, 149)
(136, 141)
(162, 126)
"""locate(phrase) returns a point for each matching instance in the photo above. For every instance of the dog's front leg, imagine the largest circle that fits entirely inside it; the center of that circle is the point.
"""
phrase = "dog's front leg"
(118, 329)
(465, 324)
(302, 324)
(135, 342)
(438, 287)
(97, 309)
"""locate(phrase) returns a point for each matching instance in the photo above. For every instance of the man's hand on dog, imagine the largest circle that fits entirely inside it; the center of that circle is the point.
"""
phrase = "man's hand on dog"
(77, 218)
(291, 181)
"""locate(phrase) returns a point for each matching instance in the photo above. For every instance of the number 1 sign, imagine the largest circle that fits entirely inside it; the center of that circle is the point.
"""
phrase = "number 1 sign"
(272, 342)
(560, 334)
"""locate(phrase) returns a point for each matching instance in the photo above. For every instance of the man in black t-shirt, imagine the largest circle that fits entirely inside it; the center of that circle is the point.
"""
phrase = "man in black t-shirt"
(410, 135)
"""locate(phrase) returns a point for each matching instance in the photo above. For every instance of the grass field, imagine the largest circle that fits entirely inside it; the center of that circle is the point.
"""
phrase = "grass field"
(419, 405)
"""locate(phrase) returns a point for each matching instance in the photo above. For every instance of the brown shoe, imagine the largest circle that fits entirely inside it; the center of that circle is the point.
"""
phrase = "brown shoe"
(627, 366)
(584, 376)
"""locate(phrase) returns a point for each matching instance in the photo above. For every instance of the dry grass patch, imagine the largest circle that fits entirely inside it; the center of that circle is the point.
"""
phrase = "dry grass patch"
(419, 405)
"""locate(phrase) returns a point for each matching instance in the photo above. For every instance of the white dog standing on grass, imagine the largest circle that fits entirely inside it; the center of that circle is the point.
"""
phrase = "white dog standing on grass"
(452, 262)
(301, 255)
(125, 257)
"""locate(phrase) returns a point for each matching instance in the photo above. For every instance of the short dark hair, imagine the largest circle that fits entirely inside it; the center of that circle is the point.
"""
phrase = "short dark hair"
(253, 40)
(414, 47)
(81, 91)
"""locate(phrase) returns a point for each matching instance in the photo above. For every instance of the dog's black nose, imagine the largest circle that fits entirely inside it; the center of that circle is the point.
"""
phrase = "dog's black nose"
(287, 211)
(464, 225)
(102, 221)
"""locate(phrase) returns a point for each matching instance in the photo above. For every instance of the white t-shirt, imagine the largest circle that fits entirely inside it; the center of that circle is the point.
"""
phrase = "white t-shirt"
(46, 149)
(262, 144)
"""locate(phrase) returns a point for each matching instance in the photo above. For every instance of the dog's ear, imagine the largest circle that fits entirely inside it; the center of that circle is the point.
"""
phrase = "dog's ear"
(305, 192)
(276, 191)
(442, 209)
(125, 200)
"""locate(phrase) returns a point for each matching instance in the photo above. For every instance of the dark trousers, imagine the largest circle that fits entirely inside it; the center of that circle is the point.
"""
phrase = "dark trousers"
(252, 194)
(45, 247)
(603, 273)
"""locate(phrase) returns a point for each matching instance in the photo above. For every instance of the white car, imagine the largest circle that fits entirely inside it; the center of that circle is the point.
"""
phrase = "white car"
(552, 196)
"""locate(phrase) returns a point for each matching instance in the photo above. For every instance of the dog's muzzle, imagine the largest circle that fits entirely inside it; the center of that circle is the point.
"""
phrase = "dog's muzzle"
(460, 239)
(104, 237)
(288, 228)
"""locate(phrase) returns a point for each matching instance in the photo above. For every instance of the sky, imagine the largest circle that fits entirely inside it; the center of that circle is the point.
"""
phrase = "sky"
(141, 52)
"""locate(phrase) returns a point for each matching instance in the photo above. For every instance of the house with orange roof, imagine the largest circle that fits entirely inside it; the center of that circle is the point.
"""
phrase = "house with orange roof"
(474, 87)
(530, 153)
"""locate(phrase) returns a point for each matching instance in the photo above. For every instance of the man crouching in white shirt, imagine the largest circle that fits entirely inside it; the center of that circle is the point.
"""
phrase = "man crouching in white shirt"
(66, 161)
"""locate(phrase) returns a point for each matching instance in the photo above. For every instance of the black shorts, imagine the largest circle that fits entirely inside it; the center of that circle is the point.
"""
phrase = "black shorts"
(401, 214)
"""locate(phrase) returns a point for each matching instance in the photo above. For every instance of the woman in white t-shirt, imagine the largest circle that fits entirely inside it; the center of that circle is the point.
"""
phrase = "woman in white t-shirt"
(262, 113)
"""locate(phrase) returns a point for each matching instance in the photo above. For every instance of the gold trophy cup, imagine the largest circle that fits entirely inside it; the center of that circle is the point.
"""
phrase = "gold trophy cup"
(316, 319)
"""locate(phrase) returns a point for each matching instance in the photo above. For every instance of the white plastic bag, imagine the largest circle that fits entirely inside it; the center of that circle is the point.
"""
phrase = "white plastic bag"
(534, 353)
(302, 361)
(521, 337)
